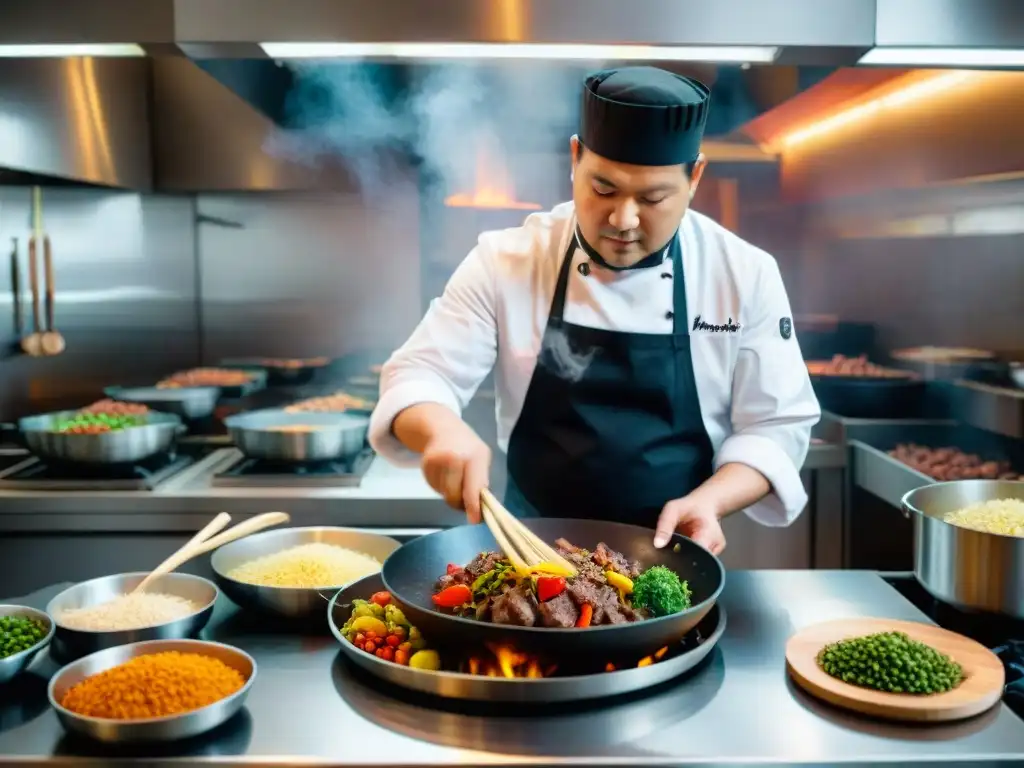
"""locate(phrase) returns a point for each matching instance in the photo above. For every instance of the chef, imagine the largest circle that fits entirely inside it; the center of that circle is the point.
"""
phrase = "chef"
(645, 363)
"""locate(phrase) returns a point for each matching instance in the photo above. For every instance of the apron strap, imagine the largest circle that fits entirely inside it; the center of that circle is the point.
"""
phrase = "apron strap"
(562, 284)
(680, 315)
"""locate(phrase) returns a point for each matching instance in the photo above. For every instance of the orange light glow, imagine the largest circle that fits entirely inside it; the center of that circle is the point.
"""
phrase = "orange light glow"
(913, 89)
(492, 189)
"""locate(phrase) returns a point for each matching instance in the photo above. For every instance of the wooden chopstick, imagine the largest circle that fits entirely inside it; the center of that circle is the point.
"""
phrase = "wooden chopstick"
(503, 543)
(531, 549)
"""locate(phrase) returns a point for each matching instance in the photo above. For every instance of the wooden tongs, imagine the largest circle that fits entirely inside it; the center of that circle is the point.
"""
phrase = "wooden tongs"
(528, 553)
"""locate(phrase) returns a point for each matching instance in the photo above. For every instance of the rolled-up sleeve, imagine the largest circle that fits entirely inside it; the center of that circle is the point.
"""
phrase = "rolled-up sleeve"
(773, 404)
(447, 357)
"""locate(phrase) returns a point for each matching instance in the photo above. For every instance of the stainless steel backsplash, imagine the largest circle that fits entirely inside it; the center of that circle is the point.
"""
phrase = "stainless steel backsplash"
(126, 301)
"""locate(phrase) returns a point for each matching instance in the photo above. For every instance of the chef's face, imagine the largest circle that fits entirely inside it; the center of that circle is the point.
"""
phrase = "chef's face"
(627, 212)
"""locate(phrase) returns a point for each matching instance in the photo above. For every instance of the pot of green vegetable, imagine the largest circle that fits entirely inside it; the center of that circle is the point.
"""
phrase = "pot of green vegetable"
(99, 438)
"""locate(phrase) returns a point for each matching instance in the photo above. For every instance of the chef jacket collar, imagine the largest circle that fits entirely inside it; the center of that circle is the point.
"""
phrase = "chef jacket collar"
(646, 262)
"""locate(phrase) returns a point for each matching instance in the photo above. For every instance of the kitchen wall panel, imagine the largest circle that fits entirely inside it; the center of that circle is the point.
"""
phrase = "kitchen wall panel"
(125, 276)
(309, 274)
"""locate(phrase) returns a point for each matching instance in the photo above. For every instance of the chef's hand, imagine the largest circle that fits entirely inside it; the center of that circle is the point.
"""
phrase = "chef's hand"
(694, 520)
(457, 464)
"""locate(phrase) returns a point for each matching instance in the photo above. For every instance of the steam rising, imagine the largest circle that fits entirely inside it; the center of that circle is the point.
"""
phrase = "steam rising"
(363, 115)
(561, 359)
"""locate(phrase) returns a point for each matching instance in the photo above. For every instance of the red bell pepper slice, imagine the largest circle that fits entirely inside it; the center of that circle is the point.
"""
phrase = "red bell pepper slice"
(586, 614)
(549, 587)
(453, 596)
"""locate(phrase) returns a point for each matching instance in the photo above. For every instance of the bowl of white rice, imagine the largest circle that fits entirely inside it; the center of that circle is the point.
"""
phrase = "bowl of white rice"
(293, 572)
(103, 613)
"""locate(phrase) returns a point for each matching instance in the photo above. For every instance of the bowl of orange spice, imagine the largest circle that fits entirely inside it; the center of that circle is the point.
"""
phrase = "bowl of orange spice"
(157, 690)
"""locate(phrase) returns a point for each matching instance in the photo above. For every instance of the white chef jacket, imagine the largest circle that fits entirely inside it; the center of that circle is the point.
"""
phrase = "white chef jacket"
(754, 389)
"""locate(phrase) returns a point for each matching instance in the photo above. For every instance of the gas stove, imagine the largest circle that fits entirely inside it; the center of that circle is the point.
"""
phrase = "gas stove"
(1003, 634)
(31, 473)
(261, 473)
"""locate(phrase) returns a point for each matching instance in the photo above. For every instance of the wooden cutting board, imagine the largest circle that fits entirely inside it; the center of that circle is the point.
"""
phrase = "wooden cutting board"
(981, 689)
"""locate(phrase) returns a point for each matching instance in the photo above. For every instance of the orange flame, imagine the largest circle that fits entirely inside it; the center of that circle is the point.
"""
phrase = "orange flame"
(492, 187)
(512, 664)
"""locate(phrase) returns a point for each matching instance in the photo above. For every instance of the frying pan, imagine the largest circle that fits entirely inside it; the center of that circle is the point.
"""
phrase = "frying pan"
(188, 402)
(411, 572)
(123, 446)
(280, 374)
(336, 436)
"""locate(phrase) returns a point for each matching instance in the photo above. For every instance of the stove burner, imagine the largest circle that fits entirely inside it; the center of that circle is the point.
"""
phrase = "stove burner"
(991, 630)
(35, 474)
(262, 473)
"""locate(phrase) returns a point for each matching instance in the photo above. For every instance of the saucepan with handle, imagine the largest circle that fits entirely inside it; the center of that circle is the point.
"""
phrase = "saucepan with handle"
(275, 434)
(45, 437)
(967, 568)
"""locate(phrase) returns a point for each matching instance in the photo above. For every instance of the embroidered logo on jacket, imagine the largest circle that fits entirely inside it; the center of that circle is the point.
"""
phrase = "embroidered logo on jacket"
(786, 327)
(729, 327)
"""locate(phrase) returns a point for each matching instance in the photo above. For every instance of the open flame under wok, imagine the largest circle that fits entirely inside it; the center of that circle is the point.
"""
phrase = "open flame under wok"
(508, 662)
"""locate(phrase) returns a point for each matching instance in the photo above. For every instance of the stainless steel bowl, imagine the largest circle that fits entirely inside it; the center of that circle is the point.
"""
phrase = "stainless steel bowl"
(73, 643)
(289, 601)
(187, 402)
(336, 435)
(120, 447)
(963, 567)
(155, 729)
(12, 666)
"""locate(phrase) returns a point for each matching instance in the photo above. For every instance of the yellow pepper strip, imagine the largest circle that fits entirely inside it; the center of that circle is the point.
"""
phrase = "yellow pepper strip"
(619, 581)
(550, 569)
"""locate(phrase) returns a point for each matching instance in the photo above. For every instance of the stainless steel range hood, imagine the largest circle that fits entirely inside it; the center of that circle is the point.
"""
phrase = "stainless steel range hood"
(75, 120)
(809, 31)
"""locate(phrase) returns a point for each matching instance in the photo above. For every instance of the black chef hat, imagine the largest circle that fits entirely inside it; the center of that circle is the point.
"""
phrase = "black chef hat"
(644, 116)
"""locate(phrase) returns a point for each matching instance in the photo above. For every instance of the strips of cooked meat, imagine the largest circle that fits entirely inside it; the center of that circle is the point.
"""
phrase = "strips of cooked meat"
(517, 606)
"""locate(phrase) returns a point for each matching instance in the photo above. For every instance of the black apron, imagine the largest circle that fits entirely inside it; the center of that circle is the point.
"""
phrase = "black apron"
(611, 427)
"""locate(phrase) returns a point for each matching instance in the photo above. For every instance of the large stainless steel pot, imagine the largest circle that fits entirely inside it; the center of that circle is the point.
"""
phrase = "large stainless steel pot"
(120, 447)
(969, 569)
(328, 436)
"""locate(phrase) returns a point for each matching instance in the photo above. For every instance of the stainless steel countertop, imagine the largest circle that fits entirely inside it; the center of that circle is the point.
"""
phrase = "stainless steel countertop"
(308, 706)
(388, 496)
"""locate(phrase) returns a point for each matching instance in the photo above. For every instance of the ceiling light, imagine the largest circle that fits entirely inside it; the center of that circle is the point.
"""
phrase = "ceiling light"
(737, 54)
(60, 51)
(892, 100)
(944, 57)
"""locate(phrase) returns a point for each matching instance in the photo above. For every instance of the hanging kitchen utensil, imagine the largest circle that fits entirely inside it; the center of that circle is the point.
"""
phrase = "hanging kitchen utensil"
(19, 321)
(981, 689)
(33, 343)
(53, 341)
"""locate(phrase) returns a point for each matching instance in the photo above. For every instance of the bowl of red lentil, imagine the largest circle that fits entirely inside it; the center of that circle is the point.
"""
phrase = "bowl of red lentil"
(111, 696)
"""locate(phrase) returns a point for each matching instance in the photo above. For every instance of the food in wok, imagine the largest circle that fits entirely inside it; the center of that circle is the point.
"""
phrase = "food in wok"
(293, 363)
(607, 588)
(96, 423)
(116, 408)
(339, 401)
(855, 367)
(207, 377)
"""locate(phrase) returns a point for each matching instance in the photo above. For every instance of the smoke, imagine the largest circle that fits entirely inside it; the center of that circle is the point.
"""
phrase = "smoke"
(365, 115)
(561, 359)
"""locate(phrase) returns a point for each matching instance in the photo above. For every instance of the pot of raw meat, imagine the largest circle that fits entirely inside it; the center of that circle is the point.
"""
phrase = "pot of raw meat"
(626, 595)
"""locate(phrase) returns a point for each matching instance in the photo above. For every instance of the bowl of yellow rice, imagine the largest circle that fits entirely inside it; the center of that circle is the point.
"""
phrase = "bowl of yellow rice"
(293, 571)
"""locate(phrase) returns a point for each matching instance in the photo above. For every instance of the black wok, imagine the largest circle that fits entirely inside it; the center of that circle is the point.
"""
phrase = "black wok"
(410, 574)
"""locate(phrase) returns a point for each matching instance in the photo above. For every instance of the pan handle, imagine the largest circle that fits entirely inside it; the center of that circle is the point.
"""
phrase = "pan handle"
(10, 433)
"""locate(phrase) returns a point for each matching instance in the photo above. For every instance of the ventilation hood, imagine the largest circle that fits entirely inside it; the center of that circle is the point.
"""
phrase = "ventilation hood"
(75, 120)
(811, 31)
